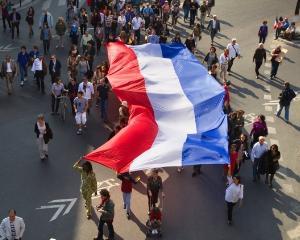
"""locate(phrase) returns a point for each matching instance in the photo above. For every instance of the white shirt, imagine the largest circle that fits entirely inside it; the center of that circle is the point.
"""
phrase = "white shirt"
(137, 23)
(122, 20)
(42, 129)
(37, 65)
(223, 59)
(258, 150)
(8, 67)
(214, 22)
(233, 50)
(234, 192)
(89, 90)
(5, 230)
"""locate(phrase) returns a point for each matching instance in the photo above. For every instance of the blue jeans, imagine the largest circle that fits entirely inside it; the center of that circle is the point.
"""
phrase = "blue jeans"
(286, 113)
(255, 168)
(274, 69)
(23, 72)
(186, 11)
(103, 108)
(126, 199)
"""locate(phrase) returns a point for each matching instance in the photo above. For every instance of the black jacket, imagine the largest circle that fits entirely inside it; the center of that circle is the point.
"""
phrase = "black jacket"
(286, 96)
(259, 55)
(47, 136)
(57, 67)
(18, 17)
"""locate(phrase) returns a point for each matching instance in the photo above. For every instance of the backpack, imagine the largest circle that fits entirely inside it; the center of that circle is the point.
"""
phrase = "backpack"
(74, 30)
(289, 95)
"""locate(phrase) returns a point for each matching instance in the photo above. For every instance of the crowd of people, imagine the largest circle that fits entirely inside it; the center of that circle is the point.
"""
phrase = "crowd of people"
(136, 23)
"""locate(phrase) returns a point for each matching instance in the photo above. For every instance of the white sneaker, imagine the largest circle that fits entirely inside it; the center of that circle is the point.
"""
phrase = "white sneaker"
(25, 79)
(22, 83)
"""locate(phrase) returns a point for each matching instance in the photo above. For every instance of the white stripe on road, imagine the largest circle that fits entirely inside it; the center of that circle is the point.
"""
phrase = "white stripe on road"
(269, 119)
(272, 130)
(267, 88)
(268, 109)
(267, 72)
(274, 141)
(294, 233)
(46, 4)
(62, 2)
(287, 188)
(272, 46)
(267, 97)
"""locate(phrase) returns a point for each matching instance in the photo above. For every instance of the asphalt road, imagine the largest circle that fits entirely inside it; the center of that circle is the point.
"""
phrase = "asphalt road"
(194, 207)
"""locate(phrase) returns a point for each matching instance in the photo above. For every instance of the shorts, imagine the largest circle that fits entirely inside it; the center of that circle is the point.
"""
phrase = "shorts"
(80, 118)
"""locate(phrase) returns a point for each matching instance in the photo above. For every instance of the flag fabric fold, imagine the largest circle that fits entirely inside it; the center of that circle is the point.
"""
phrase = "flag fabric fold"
(176, 116)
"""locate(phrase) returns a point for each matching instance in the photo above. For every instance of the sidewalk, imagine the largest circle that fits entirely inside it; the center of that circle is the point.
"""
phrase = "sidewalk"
(296, 42)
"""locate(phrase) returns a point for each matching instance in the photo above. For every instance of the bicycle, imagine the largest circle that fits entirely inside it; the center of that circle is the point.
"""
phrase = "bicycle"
(63, 106)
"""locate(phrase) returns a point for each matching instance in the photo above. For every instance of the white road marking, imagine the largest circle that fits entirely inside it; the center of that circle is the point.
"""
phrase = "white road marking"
(272, 130)
(269, 119)
(287, 188)
(46, 4)
(267, 97)
(272, 46)
(268, 109)
(267, 88)
(267, 72)
(268, 65)
(274, 141)
(108, 184)
(61, 2)
(294, 233)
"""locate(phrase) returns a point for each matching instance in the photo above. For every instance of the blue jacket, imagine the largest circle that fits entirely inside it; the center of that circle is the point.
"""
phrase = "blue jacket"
(263, 31)
(23, 58)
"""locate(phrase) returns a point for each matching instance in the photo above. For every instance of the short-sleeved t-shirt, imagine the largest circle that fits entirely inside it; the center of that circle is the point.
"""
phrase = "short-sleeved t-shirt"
(80, 104)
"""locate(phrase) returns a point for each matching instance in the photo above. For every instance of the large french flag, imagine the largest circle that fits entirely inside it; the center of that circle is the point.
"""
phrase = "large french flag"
(176, 116)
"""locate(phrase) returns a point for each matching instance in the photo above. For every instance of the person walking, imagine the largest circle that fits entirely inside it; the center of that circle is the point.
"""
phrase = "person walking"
(213, 27)
(9, 72)
(234, 52)
(57, 90)
(84, 40)
(285, 99)
(60, 28)
(126, 188)
(72, 92)
(154, 186)
(223, 60)
(263, 32)
(12, 227)
(211, 58)
(83, 20)
(30, 20)
(186, 9)
(80, 107)
(54, 68)
(88, 184)
(203, 10)
(260, 56)
(107, 210)
(46, 37)
(137, 23)
(4, 5)
(88, 90)
(15, 19)
(23, 61)
(271, 158)
(259, 128)
(43, 134)
(39, 67)
(234, 193)
(103, 90)
(257, 152)
(193, 12)
(276, 59)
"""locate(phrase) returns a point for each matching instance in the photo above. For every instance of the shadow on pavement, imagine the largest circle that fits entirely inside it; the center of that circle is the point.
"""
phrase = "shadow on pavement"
(199, 204)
